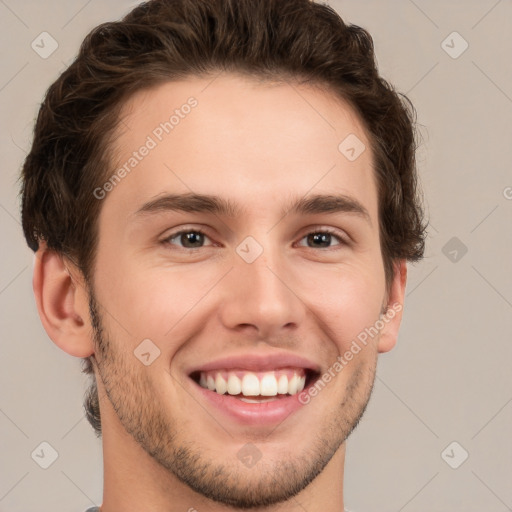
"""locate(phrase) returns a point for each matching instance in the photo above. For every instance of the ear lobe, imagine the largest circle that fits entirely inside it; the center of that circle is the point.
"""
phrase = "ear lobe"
(395, 304)
(62, 303)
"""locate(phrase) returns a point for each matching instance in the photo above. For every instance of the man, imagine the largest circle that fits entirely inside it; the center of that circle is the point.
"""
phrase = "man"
(222, 199)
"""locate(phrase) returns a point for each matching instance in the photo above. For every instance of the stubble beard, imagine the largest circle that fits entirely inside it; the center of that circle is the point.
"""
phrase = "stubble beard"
(272, 481)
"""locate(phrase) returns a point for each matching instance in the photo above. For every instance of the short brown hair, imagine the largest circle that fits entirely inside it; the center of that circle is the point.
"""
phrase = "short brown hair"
(166, 40)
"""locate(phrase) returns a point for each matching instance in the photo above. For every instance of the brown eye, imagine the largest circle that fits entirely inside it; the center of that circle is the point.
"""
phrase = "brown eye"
(322, 239)
(192, 239)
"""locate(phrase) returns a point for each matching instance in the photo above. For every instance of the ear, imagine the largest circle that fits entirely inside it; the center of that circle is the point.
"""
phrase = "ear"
(395, 305)
(62, 302)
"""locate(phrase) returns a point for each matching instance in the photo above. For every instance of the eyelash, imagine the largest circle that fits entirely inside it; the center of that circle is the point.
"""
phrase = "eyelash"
(342, 241)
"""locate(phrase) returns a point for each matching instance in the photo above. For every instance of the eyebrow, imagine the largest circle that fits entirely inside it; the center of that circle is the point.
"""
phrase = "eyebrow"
(328, 203)
(204, 203)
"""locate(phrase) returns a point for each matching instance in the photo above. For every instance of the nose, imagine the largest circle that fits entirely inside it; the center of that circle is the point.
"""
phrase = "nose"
(262, 297)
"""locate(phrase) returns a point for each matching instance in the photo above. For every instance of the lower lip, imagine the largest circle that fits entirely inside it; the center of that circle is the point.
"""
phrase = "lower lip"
(265, 413)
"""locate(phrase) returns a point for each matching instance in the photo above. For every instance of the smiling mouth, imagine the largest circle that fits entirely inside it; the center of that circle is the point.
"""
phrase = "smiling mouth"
(256, 387)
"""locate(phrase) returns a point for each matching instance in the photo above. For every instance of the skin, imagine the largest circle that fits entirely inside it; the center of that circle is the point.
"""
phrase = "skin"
(259, 145)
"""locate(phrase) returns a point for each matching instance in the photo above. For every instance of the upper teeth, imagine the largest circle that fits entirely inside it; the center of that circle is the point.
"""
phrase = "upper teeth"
(253, 384)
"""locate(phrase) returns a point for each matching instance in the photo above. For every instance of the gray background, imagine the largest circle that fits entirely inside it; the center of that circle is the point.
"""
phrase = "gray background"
(449, 377)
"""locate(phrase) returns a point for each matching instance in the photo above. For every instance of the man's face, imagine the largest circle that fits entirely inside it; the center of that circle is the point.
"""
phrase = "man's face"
(261, 294)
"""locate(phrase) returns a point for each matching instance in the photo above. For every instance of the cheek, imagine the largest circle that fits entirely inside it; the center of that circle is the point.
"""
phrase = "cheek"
(150, 301)
(161, 302)
(347, 300)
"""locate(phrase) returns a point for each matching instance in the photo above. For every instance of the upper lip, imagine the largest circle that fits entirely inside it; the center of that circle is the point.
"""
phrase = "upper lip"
(258, 362)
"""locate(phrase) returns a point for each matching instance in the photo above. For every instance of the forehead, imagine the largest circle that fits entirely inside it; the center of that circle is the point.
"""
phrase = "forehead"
(257, 143)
